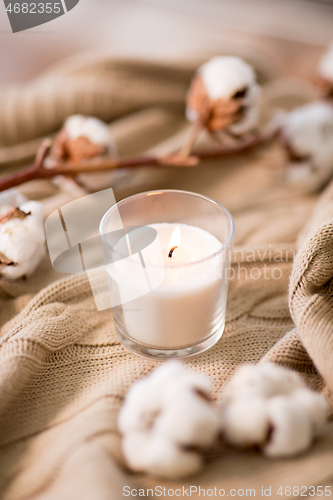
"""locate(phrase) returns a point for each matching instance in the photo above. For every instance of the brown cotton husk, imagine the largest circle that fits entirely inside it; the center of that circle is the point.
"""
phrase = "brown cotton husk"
(4, 261)
(13, 213)
(75, 150)
(214, 114)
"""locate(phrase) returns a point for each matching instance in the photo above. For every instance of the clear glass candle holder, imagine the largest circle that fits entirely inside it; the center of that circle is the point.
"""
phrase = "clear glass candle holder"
(167, 256)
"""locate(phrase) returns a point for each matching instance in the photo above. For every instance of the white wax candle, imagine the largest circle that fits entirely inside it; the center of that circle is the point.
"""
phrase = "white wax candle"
(187, 305)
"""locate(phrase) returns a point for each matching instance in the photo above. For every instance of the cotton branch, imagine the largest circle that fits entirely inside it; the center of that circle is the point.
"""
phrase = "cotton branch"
(38, 171)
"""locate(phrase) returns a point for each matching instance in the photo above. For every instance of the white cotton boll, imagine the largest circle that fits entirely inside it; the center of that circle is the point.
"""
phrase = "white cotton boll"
(147, 452)
(270, 406)
(146, 397)
(309, 129)
(162, 381)
(173, 377)
(309, 132)
(281, 380)
(21, 238)
(166, 459)
(134, 445)
(162, 376)
(244, 421)
(223, 76)
(303, 126)
(22, 241)
(190, 420)
(164, 418)
(314, 406)
(36, 209)
(248, 381)
(97, 132)
(224, 96)
(186, 382)
(264, 380)
(291, 428)
(193, 380)
(90, 127)
(139, 409)
(325, 68)
(157, 392)
(27, 268)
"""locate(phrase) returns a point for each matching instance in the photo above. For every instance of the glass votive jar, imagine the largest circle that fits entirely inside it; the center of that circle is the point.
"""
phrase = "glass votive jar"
(167, 256)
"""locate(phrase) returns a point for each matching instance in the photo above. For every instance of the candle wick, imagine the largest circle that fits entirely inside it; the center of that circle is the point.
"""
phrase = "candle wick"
(171, 251)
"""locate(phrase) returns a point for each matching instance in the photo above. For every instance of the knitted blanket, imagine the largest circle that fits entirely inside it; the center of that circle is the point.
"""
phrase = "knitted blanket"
(63, 372)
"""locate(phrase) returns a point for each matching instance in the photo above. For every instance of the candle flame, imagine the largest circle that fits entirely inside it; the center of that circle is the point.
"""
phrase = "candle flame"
(175, 238)
(174, 241)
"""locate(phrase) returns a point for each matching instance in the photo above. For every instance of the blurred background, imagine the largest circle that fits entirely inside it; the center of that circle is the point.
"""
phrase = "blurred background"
(280, 33)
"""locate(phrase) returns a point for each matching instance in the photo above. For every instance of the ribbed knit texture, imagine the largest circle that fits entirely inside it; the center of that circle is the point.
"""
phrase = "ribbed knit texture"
(64, 374)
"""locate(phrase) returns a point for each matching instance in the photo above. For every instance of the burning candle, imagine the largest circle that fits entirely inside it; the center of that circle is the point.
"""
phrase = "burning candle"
(174, 242)
(170, 298)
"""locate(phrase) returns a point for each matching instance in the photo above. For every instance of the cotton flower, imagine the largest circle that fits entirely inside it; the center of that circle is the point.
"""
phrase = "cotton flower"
(291, 428)
(166, 420)
(22, 240)
(84, 138)
(325, 73)
(270, 407)
(307, 136)
(153, 453)
(81, 138)
(247, 431)
(224, 96)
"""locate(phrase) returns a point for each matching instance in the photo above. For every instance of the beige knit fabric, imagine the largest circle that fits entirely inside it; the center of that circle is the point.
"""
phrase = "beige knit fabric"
(64, 374)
